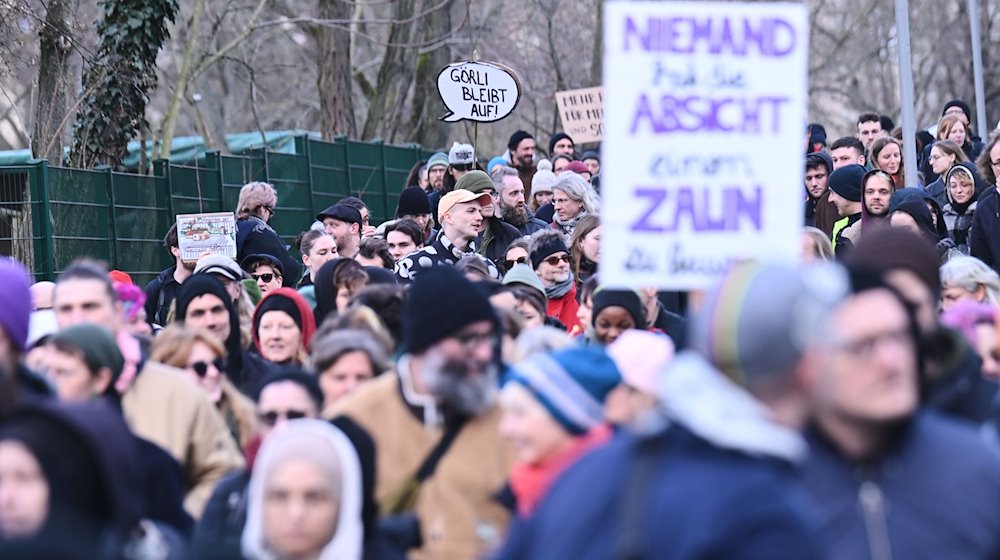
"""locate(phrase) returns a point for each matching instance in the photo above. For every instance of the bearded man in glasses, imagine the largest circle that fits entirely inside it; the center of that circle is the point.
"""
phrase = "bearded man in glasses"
(550, 259)
(435, 420)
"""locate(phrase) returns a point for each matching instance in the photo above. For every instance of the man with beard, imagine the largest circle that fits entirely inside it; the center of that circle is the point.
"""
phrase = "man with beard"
(343, 222)
(521, 155)
(160, 291)
(435, 420)
(877, 188)
(510, 198)
(820, 212)
(550, 259)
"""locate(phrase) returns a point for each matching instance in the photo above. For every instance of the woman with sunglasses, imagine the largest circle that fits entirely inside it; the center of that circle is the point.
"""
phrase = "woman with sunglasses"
(201, 355)
(551, 262)
(254, 210)
(283, 326)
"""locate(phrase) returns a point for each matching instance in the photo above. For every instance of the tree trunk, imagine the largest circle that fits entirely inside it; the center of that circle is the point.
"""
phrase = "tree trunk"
(427, 128)
(334, 81)
(394, 79)
(55, 77)
(597, 55)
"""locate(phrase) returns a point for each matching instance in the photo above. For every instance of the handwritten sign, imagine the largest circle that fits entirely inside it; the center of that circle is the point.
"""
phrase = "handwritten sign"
(478, 91)
(214, 233)
(582, 113)
(705, 104)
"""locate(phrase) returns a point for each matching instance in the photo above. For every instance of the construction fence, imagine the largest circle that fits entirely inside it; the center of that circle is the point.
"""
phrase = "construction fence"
(50, 215)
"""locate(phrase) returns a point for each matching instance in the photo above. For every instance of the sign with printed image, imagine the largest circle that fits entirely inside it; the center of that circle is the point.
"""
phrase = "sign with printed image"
(703, 103)
(213, 233)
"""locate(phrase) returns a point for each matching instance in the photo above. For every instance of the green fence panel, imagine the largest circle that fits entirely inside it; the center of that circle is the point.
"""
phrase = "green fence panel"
(50, 216)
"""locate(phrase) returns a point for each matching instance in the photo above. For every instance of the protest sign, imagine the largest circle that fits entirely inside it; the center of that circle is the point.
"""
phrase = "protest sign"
(705, 108)
(478, 91)
(582, 113)
(214, 233)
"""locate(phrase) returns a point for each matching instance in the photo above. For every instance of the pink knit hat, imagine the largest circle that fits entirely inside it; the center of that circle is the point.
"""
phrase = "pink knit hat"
(642, 357)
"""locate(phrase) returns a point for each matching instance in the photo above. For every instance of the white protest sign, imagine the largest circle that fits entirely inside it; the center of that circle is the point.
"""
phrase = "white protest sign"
(478, 91)
(582, 113)
(705, 104)
(213, 232)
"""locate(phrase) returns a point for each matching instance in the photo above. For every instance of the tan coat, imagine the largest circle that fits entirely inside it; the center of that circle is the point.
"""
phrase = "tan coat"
(458, 516)
(168, 409)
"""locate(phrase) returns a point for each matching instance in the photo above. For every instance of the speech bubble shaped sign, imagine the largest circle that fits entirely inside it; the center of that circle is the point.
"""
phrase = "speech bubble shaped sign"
(478, 91)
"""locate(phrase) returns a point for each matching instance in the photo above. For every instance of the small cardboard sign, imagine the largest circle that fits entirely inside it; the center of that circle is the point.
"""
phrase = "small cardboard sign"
(213, 233)
(582, 113)
(478, 91)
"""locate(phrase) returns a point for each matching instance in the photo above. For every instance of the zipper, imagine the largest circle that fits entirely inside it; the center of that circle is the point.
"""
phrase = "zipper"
(876, 525)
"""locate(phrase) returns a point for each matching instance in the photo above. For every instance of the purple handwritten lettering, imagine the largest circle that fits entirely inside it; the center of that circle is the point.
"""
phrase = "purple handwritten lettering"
(740, 36)
(670, 209)
(670, 114)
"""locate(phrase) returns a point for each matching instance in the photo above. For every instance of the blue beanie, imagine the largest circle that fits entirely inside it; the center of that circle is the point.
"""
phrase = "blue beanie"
(15, 302)
(571, 384)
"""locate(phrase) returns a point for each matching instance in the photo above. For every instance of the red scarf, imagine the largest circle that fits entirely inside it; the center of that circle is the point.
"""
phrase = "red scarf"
(529, 483)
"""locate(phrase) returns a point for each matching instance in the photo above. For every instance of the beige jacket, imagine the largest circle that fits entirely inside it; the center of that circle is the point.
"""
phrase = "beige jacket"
(168, 409)
(458, 516)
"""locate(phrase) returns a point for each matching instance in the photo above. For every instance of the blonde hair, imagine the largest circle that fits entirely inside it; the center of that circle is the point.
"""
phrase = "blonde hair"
(253, 197)
(824, 247)
(174, 343)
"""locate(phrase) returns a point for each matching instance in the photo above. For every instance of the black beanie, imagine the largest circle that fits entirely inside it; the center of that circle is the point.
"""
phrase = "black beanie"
(961, 105)
(277, 302)
(846, 181)
(549, 246)
(626, 299)
(557, 137)
(441, 302)
(516, 139)
(413, 201)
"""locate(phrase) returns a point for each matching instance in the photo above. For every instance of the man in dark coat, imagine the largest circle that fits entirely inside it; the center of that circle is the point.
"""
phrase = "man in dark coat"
(984, 235)
(716, 478)
(887, 477)
(161, 291)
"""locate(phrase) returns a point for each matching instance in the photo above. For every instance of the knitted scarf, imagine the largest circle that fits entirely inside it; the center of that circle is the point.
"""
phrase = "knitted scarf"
(569, 225)
(559, 290)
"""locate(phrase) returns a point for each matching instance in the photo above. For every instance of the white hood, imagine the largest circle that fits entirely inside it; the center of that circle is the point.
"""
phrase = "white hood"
(696, 395)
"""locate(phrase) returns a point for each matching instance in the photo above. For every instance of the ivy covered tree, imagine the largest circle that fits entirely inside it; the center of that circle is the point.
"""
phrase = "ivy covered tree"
(119, 79)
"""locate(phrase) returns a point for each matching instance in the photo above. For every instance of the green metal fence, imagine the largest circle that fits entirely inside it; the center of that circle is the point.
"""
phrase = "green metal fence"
(50, 216)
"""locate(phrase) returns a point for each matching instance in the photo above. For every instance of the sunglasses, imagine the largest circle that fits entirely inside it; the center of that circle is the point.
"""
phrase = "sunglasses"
(270, 210)
(509, 264)
(267, 277)
(271, 418)
(201, 368)
(554, 260)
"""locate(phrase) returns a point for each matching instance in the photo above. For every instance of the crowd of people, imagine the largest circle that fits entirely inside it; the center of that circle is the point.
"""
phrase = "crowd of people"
(456, 382)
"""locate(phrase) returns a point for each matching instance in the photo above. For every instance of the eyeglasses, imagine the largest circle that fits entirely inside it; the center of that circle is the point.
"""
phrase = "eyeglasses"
(201, 368)
(271, 417)
(270, 210)
(554, 260)
(509, 264)
(267, 277)
(864, 349)
(470, 341)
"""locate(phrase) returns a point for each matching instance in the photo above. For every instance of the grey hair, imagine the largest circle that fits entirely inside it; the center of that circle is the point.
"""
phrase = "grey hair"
(577, 188)
(331, 347)
(544, 237)
(969, 273)
(499, 173)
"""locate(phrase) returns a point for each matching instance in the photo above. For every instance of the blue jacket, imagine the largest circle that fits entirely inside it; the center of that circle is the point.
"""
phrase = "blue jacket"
(934, 494)
(708, 485)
